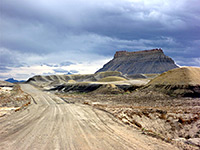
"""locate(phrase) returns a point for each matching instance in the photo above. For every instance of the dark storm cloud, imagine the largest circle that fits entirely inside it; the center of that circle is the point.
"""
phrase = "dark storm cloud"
(9, 59)
(79, 29)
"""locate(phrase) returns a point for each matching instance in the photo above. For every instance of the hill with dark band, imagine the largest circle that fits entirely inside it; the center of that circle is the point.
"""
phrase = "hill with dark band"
(182, 81)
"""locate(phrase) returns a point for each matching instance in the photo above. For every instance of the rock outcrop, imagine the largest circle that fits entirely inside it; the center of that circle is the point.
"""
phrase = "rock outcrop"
(147, 61)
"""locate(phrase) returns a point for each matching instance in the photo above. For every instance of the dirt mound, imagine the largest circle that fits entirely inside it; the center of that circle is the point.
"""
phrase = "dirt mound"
(112, 79)
(151, 75)
(179, 76)
(136, 76)
(183, 81)
(142, 76)
(71, 81)
(12, 98)
(108, 89)
(100, 75)
(6, 84)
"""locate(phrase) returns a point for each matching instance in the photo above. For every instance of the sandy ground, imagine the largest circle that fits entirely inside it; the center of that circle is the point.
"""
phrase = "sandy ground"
(51, 123)
(174, 120)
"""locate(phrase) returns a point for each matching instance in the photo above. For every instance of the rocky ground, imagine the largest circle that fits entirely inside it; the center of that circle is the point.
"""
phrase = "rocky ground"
(53, 123)
(12, 98)
(174, 120)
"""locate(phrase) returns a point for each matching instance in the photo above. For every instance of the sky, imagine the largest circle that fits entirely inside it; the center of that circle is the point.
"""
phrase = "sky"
(64, 36)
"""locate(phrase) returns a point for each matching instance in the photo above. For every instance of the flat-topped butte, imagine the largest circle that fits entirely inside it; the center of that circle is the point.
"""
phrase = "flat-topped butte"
(140, 62)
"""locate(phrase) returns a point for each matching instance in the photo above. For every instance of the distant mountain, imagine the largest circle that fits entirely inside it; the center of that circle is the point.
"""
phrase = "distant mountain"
(146, 62)
(11, 80)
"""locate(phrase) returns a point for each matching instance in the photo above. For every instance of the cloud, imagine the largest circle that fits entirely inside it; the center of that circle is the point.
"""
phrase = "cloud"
(189, 61)
(66, 63)
(9, 58)
(4, 69)
(2, 77)
(52, 32)
(60, 70)
(49, 65)
(73, 71)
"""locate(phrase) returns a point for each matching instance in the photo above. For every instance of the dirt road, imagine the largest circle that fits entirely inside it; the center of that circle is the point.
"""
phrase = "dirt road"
(51, 123)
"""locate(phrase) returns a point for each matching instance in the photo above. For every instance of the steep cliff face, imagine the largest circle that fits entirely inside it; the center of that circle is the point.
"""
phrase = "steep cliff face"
(147, 61)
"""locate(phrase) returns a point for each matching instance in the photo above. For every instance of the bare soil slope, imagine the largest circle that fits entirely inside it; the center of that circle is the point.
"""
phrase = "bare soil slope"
(112, 79)
(6, 84)
(183, 81)
(179, 76)
(12, 98)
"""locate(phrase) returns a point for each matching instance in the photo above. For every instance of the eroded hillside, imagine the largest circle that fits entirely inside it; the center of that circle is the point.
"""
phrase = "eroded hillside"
(12, 98)
(184, 81)
(147, 61)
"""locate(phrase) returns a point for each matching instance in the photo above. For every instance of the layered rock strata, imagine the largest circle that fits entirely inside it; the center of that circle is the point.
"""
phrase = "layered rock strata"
(146, 62)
